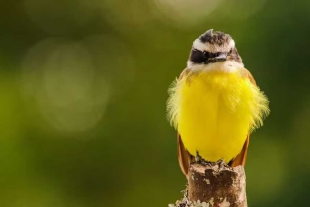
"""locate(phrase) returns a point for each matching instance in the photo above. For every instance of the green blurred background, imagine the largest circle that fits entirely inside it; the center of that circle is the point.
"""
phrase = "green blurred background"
(83, 88)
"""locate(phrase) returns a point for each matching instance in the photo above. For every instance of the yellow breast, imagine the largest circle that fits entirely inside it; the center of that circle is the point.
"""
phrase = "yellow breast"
(214, 111)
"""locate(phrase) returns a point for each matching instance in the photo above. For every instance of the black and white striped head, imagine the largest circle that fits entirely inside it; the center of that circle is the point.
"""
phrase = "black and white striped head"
(212, 47)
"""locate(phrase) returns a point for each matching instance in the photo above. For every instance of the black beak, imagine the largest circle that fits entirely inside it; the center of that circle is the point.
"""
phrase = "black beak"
(222, 56)
(217, 57)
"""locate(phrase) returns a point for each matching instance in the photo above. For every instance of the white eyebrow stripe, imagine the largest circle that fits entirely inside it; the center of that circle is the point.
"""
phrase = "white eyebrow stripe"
(232, 43)
(199, 45)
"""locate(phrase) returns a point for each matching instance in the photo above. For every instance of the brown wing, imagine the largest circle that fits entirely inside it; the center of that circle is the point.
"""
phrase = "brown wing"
(184, 157)
(241, 157)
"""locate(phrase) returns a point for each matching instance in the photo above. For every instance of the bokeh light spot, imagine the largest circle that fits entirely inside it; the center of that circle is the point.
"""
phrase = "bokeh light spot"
(186, 13)
(60, 17)
(71, 92)
(241, 9)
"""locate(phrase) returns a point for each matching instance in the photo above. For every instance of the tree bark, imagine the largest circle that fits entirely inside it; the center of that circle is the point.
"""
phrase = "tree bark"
(216, 185)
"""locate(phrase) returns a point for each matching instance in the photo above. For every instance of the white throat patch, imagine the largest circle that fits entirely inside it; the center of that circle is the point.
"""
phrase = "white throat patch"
(226, 66)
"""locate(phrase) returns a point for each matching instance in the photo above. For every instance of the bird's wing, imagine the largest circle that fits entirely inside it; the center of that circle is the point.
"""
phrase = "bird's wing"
(241, 157)
(184, 156)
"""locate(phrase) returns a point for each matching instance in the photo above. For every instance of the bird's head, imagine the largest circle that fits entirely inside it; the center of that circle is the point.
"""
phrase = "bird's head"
(213, 47)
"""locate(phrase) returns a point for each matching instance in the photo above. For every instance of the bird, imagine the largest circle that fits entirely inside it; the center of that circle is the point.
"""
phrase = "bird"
(215, 103)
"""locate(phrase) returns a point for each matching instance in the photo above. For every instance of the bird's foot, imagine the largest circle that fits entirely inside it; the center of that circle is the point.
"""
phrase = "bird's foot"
(202, 161)
(221, 163)
(198, 158)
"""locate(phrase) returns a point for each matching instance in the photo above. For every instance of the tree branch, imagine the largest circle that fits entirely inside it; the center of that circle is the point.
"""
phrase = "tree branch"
(214, 184)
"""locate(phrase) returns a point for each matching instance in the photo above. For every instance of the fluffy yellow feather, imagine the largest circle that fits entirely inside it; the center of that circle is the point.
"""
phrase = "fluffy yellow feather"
(214, 110)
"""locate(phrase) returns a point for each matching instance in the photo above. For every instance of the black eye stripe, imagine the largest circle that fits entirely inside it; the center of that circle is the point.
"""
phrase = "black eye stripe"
(206, 54)
(210, 55)
(234, 55)
(197, 56)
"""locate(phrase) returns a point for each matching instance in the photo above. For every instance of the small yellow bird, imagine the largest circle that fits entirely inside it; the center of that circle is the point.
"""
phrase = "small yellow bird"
(215, 103)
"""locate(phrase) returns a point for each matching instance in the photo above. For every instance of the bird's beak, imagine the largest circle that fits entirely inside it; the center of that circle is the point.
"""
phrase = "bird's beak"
(222, 56)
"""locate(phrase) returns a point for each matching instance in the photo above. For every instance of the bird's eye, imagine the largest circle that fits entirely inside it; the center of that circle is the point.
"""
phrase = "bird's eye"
(206, 54)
